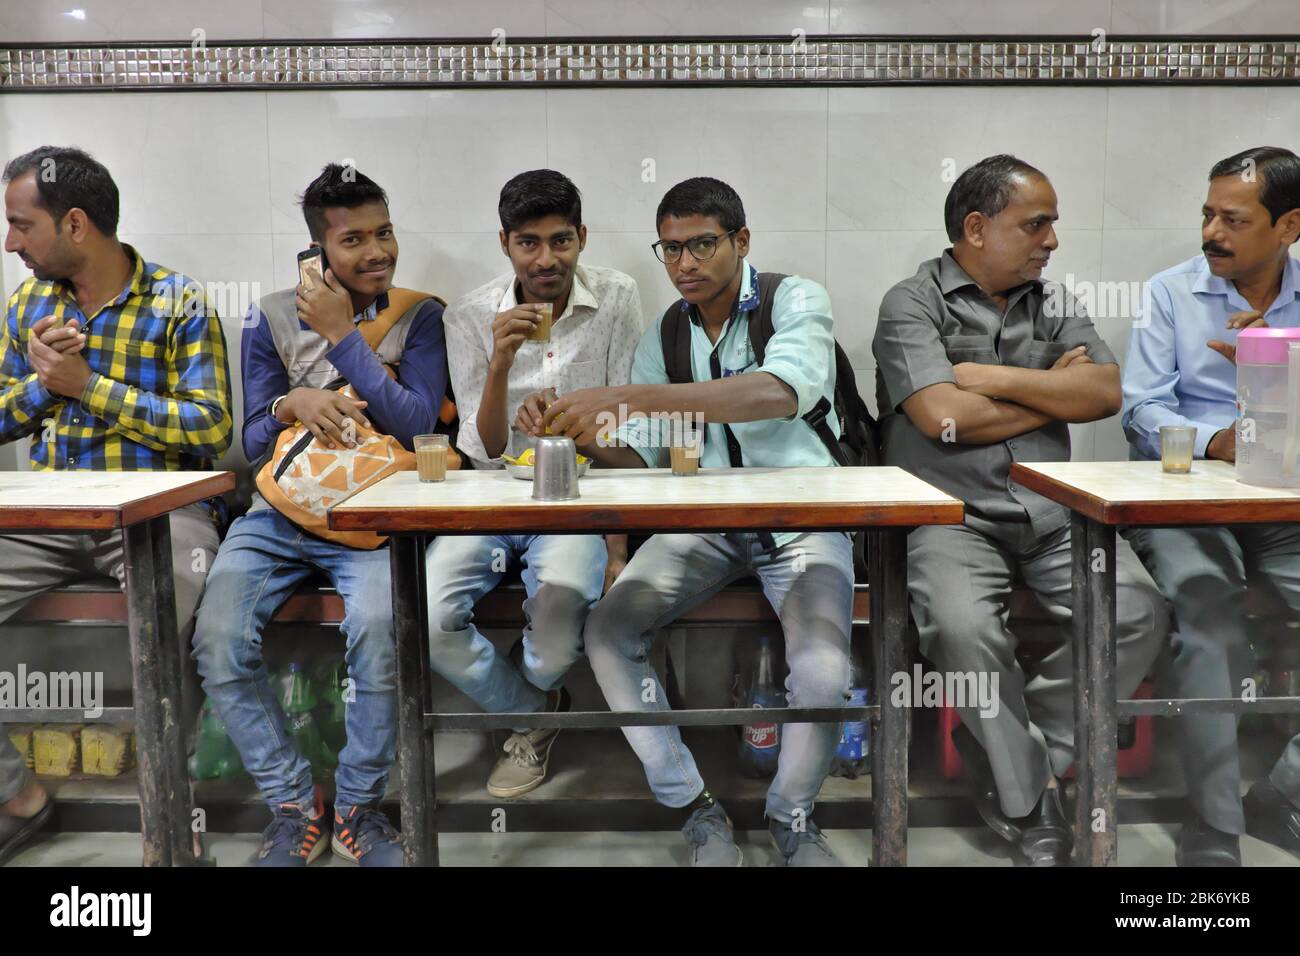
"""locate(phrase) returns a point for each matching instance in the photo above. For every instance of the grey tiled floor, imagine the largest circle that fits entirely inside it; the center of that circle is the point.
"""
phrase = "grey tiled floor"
(1139, 845)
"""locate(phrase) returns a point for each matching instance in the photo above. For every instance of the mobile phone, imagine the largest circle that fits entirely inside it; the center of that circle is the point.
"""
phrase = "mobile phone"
(311, 267)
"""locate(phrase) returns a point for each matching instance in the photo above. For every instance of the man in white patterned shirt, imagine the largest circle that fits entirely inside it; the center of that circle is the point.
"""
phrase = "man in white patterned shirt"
(503, 381)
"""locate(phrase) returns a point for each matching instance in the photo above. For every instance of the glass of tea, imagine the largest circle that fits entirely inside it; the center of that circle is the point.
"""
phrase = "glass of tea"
(687, 443)
(1177, 444)
(542, 330)
(431, 457)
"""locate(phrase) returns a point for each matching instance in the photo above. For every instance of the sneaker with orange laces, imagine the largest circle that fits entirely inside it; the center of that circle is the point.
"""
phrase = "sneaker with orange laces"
(364, 835)
(294, 837)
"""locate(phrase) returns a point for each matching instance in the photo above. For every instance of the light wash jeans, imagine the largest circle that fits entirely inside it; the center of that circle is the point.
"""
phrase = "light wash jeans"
(563, 577)
(809, 583)
(263, 559)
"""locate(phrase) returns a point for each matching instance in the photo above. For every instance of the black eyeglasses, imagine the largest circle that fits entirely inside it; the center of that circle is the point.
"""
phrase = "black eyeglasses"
(702, 248)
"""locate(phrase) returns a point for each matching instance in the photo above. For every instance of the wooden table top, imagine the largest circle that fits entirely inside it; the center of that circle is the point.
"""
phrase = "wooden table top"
(1140, 493)
(646, 499)
(100, 500)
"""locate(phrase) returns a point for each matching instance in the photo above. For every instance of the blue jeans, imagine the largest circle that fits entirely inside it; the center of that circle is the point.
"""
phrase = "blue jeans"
(563, 577)
(263, 559)
(808, 582)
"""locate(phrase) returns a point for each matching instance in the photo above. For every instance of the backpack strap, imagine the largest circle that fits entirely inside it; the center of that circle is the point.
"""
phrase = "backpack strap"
(675, 337)
(400, 302)
(761, 328)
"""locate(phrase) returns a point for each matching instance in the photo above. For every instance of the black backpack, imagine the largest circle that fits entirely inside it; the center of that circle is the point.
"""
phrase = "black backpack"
(859, 441)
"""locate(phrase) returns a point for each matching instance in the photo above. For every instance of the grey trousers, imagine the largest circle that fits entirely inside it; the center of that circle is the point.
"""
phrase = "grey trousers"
(1203, 571)
(960, 581)
(31, 564)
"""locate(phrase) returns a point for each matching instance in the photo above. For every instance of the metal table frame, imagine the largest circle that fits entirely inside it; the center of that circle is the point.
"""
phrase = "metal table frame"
(166, 805)
(166, 799)
(1096, 707)
(416, 720)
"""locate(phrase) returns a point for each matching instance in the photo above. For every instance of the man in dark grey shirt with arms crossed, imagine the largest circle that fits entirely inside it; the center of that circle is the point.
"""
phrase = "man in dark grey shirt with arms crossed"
(979, 364)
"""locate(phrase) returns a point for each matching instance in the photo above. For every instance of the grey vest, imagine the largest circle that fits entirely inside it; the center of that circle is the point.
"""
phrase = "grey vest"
(303, 351)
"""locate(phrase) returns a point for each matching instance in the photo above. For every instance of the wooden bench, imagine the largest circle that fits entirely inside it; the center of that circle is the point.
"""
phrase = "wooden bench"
(99, 602)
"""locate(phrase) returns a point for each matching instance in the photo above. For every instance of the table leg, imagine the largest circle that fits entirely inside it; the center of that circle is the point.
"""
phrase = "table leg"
(166, 804)
(1095, 820)
(887, 567)
(414, 743)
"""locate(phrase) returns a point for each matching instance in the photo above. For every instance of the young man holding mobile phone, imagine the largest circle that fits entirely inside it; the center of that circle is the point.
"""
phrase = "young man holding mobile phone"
(295, 342)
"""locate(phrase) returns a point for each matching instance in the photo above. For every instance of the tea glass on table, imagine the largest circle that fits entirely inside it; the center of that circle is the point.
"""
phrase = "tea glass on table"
(685, 447)
(1177, 444)
(431, 457)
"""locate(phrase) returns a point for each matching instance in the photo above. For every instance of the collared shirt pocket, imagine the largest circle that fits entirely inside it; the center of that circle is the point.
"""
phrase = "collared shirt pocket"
(578, 375)
(1045, 354)
(970, 348)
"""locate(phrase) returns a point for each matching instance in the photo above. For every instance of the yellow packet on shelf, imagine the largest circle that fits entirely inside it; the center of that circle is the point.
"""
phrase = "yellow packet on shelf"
(56, 749)
(20, 735)
(106, 749)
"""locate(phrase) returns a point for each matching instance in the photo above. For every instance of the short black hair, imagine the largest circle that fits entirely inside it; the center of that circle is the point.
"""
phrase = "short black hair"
(536, 194)
(702, 196)
(337, 186)
(70, 178)
(1277, 171)
(985, 188)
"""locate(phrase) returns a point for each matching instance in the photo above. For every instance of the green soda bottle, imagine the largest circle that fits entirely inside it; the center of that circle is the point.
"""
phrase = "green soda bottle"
(214, 754)
(299, 702)
(332, 710)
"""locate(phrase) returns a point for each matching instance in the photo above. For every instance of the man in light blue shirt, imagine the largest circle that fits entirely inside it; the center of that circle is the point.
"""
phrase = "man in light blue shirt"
(1180, 372)
(804, 356)
(753, 413)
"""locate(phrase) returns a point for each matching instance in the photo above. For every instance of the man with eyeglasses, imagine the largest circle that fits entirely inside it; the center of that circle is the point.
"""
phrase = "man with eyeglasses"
(752, 413)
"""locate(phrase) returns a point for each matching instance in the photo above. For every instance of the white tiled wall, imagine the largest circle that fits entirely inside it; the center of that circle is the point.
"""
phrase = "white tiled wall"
(843, 185)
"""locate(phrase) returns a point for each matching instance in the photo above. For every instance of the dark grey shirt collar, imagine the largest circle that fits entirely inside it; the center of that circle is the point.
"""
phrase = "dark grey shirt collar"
(953, 277)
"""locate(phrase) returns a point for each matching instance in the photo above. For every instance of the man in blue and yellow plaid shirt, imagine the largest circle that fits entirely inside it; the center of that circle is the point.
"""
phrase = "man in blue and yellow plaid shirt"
(110, 363)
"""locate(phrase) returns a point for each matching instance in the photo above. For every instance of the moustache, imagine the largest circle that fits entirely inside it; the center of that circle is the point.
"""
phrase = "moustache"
(1211, 249)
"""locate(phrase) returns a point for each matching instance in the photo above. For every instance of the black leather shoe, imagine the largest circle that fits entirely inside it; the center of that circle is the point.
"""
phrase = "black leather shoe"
(1200, 844)
(1045, 838)
(1271, 817)
(984, 790)
(16, 832)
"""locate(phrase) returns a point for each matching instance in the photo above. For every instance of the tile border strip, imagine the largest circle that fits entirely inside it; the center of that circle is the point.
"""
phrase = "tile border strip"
(625, 62)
